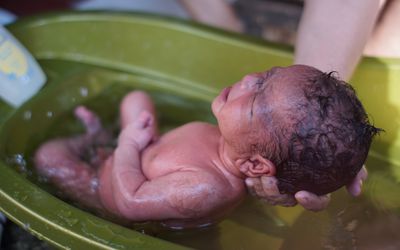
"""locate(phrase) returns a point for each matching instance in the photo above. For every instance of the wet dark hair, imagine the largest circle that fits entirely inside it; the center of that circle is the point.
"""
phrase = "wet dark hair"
(327, 141)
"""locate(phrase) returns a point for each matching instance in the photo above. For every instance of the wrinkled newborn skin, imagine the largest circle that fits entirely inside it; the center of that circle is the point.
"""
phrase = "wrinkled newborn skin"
(183, 175)
(189, 176)
(190, 173)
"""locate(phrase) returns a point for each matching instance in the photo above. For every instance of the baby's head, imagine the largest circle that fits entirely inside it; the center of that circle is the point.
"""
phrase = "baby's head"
(302, 125)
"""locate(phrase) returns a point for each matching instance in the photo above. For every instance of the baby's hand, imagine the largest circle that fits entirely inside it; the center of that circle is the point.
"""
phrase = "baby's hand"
(139, 132)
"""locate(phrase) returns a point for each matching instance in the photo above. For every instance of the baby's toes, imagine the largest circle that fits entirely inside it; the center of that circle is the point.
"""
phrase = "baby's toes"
(89, 119)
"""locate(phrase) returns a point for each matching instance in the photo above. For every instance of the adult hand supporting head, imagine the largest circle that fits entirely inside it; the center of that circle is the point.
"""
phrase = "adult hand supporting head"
(266, 189)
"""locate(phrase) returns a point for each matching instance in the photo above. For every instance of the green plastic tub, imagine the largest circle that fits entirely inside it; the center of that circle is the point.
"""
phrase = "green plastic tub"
(94, 58)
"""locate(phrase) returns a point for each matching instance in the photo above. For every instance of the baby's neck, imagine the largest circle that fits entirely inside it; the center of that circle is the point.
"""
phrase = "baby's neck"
(228, 158)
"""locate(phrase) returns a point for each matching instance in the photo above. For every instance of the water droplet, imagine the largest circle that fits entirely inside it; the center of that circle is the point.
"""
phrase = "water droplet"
(94, 183)
(27, 115)
(49, 114)
(83, 91)
(17, 161)
(72, 221)
(351, 225)
(27, 226)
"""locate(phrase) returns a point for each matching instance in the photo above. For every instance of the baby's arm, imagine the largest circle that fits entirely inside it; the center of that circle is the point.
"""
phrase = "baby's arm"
(183, 194)
(179, 195)
(133, 105)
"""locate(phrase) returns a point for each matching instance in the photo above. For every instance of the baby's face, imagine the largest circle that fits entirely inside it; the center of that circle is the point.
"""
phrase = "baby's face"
(237, 108)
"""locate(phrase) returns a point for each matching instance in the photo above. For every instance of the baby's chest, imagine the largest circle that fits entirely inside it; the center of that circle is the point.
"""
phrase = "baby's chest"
(172, 153)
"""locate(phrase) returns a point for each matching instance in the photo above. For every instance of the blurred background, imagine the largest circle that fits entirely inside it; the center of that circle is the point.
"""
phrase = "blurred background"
(274, 20)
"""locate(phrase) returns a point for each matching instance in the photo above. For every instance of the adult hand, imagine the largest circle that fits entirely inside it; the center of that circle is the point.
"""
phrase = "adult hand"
(354, 188)
(266, 189)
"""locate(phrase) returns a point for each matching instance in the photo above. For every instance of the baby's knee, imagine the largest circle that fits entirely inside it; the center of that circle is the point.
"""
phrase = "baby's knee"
(45, 156)
(54, 158)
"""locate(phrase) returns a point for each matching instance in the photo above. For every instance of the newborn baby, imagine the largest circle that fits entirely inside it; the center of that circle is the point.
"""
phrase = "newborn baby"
(301, 125)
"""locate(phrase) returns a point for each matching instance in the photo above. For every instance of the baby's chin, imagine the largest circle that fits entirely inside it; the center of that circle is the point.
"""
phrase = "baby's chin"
(220, 100)
(214, 106)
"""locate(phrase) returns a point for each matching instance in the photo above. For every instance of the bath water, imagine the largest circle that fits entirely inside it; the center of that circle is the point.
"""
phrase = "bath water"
(371, 221)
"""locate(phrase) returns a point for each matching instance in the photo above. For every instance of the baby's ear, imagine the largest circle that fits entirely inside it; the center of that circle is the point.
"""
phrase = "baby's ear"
(257, 166)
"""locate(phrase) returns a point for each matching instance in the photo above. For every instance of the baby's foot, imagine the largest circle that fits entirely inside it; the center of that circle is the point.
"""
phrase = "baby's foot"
(139, 132)
(89, 119)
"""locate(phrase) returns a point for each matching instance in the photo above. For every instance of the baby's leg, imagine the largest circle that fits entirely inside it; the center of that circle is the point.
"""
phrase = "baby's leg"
(133, 105)
(61, 161)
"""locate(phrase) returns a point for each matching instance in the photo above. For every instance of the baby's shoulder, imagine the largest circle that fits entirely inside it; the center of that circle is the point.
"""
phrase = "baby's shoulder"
(199, 128)
(199, 124)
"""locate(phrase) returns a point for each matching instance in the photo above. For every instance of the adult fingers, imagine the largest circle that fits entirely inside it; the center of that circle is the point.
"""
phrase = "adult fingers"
(272, 194)
(354, 188)
(255, 188)
(266, 189)
(312, 201)
(270, 185)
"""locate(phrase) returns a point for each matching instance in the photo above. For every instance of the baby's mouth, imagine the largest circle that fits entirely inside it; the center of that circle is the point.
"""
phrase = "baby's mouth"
(225, 93)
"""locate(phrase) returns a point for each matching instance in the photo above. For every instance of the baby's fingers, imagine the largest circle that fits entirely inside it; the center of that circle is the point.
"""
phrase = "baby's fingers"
(144, 120)
(89, 119)
(139, 138)
(312, 201)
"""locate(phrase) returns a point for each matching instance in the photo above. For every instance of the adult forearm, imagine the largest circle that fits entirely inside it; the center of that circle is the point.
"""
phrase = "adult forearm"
(213, 12)
(332, 34)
